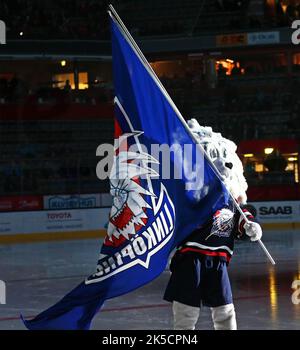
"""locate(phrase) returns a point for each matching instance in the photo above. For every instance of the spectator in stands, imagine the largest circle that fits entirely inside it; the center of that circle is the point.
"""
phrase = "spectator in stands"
(249, 169)
(221, 71)
(235, 70)
(275, 161)
(67, 86)
(17, 88)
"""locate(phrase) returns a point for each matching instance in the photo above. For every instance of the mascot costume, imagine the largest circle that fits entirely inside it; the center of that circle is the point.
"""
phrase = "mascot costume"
(199, 266)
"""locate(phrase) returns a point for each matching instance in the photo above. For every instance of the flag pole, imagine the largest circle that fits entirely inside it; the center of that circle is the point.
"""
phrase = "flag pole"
(114, 15)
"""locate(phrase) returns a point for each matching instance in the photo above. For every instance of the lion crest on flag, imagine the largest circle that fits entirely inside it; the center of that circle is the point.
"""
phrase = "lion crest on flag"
(128, 213)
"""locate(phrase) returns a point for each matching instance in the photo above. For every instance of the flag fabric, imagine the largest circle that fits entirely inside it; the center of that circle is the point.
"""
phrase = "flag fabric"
(151, 212)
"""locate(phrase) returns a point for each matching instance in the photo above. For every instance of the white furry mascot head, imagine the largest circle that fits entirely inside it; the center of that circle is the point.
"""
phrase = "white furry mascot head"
(222, 152)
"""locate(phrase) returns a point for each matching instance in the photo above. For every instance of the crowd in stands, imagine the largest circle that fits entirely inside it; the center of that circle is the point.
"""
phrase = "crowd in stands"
(13, 89)
(238, 93)
(253, 103)
(87, 19)
(51, 157)
(287, 12)
(18, 90)
(55, 19)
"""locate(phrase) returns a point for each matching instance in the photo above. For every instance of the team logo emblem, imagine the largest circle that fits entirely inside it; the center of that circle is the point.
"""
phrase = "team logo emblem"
(129, 210)
(223, 222)
(142, 217)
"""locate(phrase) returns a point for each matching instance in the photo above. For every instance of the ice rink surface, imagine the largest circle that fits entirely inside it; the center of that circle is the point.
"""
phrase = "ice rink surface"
(38, 274)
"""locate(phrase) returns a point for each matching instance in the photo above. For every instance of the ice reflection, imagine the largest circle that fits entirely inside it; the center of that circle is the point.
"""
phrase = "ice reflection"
(273, 294)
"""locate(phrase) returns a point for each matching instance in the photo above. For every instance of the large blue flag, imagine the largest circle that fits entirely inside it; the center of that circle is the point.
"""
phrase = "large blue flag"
(157, 200)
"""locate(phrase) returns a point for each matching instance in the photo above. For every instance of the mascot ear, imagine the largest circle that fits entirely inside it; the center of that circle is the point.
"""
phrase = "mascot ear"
(194, 125)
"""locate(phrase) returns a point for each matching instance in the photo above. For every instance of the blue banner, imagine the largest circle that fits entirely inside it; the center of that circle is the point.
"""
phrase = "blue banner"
(157, 202)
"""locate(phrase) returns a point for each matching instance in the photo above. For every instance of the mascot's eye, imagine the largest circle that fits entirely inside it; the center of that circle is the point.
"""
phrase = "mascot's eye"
(214, 153)
(225, 153)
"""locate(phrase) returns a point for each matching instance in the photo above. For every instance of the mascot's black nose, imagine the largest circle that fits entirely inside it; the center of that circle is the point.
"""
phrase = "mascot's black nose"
(229, 165)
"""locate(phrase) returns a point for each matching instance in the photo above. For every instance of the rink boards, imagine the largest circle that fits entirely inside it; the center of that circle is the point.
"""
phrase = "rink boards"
(43, 225)
(53, 225)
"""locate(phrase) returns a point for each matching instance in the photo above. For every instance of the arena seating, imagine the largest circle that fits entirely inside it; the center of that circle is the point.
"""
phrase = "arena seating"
(87, 19)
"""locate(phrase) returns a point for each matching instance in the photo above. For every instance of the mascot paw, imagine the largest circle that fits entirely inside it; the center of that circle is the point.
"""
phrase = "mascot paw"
(253, 230)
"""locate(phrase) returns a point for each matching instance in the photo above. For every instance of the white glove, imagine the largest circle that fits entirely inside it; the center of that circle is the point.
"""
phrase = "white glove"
(253, 230)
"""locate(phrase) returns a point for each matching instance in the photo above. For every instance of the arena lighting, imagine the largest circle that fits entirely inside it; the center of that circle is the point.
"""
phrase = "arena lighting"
(284, 7)
(292, 159)
(21, 33)
(296, 175)
(229, 60)
(248, 155)
(268, 150)
(63, 63)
